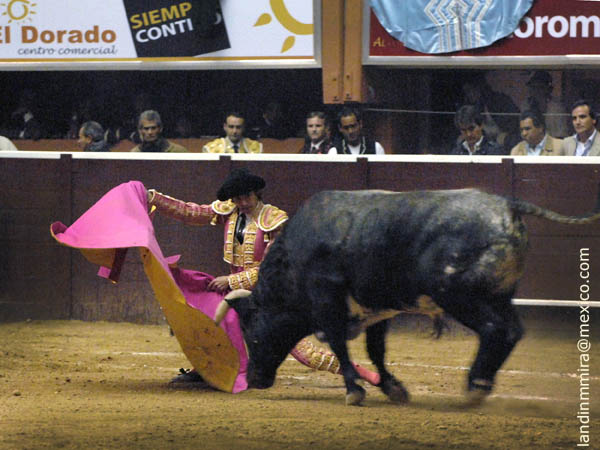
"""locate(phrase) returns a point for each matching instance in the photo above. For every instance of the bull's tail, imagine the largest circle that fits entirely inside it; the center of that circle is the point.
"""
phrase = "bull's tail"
(526, 208)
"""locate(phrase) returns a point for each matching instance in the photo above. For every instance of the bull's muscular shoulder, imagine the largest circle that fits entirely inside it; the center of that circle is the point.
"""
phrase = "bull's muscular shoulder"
(271, 218)
(223, 208)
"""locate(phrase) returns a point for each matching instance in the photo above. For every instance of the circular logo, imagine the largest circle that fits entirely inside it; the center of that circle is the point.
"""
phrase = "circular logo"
(18, 10)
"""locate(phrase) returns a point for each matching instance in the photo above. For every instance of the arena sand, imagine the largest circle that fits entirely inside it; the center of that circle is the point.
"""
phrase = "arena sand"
(73, 385)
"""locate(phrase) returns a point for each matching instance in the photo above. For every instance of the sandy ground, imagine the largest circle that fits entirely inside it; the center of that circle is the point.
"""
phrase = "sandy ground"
(70, 384)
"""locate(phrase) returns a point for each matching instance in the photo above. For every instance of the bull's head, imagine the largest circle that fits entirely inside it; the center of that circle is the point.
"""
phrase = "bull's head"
(270, 334)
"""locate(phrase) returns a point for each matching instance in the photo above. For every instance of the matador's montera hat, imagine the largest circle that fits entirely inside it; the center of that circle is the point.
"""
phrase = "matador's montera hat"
(240, 182)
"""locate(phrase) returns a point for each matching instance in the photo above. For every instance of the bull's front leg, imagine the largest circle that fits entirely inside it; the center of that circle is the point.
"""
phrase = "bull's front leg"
(376, 349)
(333, 322)
(355, 394)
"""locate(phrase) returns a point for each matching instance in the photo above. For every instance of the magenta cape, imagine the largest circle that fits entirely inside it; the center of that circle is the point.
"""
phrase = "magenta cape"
(120, 220)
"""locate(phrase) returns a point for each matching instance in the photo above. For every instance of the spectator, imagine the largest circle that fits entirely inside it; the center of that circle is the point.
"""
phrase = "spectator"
(25, 124)
(352, 140)
(150, 128)
(183, 128)
(585, 141)
(317, 133)
(540, 98)
(82, 112)
(499, 112)
(536, 142)
(473, 140)
(272, 124)
(91, 137)
(7, 145)
(125, 124)
(234, 140)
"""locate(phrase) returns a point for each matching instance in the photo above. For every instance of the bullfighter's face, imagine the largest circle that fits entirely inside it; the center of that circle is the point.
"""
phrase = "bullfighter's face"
(246, 203)
(234, 128)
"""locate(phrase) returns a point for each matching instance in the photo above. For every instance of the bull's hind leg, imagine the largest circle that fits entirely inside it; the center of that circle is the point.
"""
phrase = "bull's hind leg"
(376, 349)
(499, 330)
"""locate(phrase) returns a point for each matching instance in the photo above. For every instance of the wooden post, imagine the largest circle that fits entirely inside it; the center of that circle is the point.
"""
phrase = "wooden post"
(354, 81)
(332, 49)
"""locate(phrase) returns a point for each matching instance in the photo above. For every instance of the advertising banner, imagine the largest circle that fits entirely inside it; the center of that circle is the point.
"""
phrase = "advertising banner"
(553, 30)
(156, 30)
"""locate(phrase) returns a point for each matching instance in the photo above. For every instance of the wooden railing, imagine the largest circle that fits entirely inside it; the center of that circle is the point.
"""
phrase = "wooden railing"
(290, 145)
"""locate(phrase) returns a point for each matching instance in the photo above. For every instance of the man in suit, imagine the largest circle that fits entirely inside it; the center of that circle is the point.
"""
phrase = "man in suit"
(91, 137)
(536, 142)
(317, 134)
(585, 141)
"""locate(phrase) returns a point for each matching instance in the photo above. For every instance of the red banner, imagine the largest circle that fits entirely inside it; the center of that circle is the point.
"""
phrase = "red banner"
(550, 28)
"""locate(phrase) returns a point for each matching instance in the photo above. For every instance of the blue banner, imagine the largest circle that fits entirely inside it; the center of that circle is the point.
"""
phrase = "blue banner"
(443, 26)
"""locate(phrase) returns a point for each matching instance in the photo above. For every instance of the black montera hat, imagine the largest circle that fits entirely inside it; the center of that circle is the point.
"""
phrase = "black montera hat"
(240, 182)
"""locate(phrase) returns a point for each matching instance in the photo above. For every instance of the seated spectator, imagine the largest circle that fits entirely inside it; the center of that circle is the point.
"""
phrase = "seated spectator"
(317, 134)
(81, 112)
(473, 140)
(234, 140)
(25, 124)
(150, 129)
(352, 140)
(6, 145)
(536, 142)
(540, 98)
(183, 128)
(499, 112)
(91, 137)
(585, 141)
(123, 124)
(272, 124)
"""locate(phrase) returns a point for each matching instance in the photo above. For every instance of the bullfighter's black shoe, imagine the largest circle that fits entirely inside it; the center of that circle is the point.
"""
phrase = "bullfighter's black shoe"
(187, 376)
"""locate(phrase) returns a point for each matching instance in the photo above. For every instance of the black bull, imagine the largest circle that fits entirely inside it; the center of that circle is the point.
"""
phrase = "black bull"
(464, 249)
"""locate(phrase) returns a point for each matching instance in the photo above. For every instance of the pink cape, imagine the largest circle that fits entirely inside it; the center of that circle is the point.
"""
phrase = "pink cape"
(119, 221)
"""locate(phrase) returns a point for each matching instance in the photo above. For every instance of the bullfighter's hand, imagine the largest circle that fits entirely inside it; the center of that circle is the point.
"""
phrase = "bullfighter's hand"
(219, 284)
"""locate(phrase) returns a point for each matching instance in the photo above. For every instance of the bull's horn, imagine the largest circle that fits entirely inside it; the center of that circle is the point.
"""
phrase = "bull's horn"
(226, 303)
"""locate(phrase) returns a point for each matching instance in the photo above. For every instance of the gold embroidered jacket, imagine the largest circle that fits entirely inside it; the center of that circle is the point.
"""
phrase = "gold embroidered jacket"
(244, 259)
(224, 145)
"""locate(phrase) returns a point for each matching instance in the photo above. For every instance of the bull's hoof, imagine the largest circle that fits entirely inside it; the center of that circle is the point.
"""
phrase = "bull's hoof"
(355, 397)
(475, 397)
(478, 390)
(395, 391)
